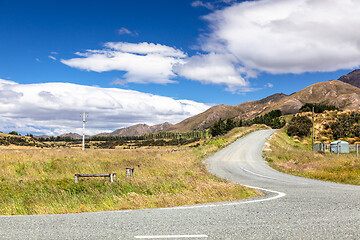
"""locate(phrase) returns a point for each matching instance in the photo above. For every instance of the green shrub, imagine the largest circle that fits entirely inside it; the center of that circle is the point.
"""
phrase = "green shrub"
(299, 126)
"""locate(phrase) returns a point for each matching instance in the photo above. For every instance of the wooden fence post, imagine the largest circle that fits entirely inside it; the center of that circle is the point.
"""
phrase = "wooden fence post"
(357, 151)
(130, 172)
(76, 178)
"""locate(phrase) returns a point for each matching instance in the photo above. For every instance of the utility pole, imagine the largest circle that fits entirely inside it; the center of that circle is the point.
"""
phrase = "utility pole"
(313, 136)
(84, 115)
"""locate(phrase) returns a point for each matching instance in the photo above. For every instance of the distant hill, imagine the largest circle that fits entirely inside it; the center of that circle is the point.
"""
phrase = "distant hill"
(73, 136)
(138, 130)
(41, 136)
(8, 139)
(352, 78)
(338, 93)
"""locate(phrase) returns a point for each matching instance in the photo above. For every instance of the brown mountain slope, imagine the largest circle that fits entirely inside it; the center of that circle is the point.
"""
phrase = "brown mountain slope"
(138, 130)
(340, 94)
(352, 78)
(245, 110)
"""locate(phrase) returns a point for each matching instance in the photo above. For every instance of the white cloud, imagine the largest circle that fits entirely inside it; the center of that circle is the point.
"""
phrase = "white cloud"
(246, 38)
(52, 57)
(142, 62)
(211, 5)
(118, 81)
(281, 36)
(123, 30)
(269, 85)
(54, 108)
(146, 48)
(207, 5)
(213, 69)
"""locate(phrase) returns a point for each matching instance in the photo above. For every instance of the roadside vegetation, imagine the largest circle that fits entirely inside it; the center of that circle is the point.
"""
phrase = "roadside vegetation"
(41, 181)
(328, 126)
(293, 155)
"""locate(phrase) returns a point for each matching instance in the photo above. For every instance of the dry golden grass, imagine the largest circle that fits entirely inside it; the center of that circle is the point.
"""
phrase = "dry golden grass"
(292, 157)
(164, 177)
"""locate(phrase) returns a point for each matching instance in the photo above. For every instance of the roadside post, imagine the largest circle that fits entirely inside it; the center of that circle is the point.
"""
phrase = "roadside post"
(130, 172)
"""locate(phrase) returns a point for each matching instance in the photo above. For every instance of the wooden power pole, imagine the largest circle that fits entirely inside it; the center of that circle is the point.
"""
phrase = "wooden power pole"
(313, 136)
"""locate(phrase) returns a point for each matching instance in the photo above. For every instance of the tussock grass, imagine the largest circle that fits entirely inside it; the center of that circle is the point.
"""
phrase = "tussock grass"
(290, 156)
(164, 177)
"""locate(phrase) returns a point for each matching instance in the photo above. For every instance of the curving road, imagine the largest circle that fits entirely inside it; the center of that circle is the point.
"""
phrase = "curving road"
(293, 208)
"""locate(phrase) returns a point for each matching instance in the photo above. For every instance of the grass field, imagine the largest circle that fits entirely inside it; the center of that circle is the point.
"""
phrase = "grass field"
(294, 157)
(164, 177)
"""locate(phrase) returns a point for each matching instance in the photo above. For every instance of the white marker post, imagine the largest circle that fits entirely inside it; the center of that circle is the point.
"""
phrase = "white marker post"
(84, 115)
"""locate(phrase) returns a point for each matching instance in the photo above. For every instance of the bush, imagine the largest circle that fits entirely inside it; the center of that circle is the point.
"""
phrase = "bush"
(346, 126)
(299, 126)
(14, 133)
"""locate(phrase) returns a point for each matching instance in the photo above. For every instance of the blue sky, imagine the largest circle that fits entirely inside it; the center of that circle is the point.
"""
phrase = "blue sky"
(178, 57)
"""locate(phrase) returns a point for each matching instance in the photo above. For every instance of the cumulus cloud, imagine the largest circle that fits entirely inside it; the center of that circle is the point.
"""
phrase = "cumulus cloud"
(281, 36)
(141, 62)
(213, 69)
(146, 48)
(245, 38)
(54, 108)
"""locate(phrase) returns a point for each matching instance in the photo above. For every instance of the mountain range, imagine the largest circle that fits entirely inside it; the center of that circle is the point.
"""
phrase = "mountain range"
(137, 130)
(344, 93)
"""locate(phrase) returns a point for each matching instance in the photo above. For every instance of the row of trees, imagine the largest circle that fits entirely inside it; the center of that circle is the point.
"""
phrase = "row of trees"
(148, 136)
(271, 119)
(221, 127)
(318, 108)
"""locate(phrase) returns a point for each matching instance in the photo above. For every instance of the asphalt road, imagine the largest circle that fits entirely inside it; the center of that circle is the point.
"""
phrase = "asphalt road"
(293, 208)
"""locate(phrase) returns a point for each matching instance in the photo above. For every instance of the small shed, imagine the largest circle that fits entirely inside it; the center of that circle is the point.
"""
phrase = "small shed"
(343, 147)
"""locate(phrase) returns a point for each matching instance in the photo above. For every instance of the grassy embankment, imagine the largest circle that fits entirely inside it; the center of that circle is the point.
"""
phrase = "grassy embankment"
(167, 176)
(295, 157)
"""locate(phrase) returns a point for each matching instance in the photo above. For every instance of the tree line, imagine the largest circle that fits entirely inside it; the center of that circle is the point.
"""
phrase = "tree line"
(271, 119)
(148, 136)
(318, 108)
